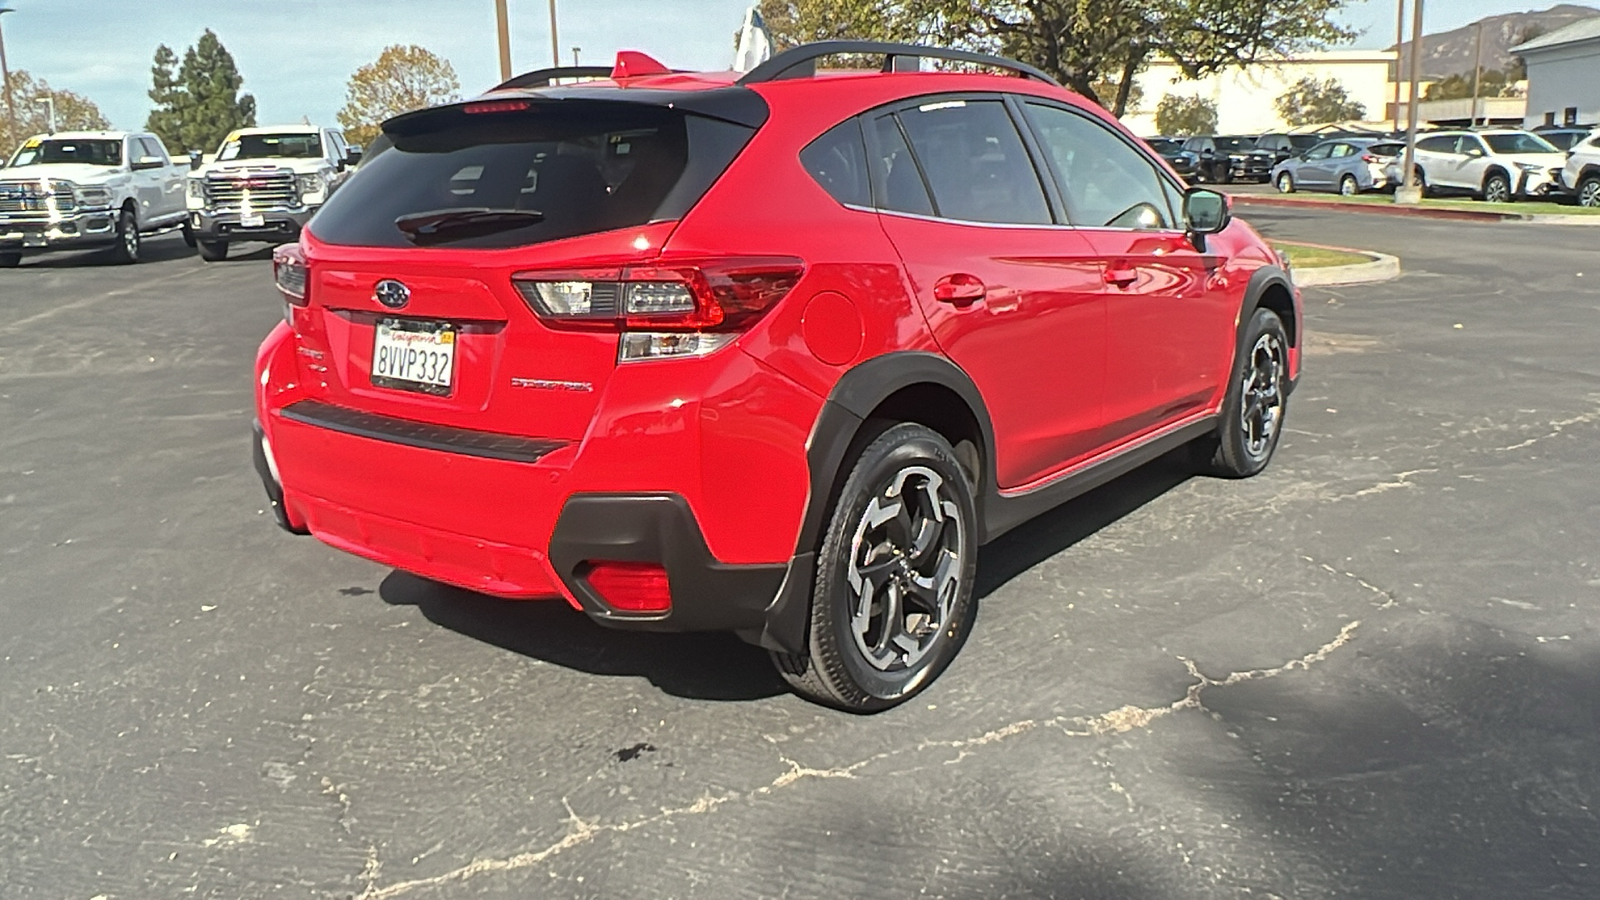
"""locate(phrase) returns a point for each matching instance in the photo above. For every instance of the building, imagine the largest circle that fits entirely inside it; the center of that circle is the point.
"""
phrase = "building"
(1245, 96)
(1563, 75)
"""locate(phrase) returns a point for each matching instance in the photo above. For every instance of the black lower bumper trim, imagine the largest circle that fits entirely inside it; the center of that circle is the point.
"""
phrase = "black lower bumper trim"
(280, 513)
(418, 434)
(707, 595)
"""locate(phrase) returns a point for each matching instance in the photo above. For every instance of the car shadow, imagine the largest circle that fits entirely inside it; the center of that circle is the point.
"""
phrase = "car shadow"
(152, 250)
(721, 666)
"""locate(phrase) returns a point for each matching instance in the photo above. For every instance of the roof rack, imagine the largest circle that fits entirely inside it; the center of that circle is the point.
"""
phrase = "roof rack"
(547, 77)
(801, 62)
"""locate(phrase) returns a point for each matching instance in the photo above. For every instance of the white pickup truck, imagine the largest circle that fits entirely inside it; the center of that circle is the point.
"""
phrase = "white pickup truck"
(87, 189)
(264, 185)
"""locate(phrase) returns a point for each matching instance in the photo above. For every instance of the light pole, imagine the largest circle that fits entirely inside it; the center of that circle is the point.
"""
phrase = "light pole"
(1399, 43)
(503, 25)
(50, 106)
(555, 42)
(1477, 73)
(575, 52)
(5, 76)
(1410, 192)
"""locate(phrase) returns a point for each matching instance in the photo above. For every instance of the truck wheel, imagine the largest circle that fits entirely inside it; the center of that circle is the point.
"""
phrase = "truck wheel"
(1258, 397)
(10, 260)
(212, 251)
(126, 249)
(892, 601)
(188, 235)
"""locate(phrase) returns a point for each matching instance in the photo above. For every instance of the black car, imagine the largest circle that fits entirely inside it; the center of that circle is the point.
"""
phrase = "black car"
(1226, 158)
(1284, 146)
(1170, 149)
(1565, 137)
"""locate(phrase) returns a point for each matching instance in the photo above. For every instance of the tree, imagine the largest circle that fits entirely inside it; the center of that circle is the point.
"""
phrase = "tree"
(1096, 47)
(1178, 115)
(74, 112)
(1313, 102)
(402, 79)
(1494, 83)
(197, 107)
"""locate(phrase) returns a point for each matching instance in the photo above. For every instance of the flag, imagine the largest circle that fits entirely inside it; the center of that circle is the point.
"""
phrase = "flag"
(755, 45)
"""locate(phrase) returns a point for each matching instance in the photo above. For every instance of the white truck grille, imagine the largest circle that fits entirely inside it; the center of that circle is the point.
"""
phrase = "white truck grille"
(263, 188)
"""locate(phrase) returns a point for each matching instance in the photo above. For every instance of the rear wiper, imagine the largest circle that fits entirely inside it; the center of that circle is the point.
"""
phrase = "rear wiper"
(464, 221)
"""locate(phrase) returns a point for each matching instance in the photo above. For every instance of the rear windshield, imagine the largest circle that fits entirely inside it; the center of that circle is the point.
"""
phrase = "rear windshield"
(97, 152)
(548, 172)
(1518, 143)
(295, 145)
(1386, 149)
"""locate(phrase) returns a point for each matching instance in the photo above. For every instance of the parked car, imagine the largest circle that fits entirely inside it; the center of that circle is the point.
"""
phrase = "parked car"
(1229, 158)
(264, 185)
(1182, 161)
(80, 189)
(1350, 166)
(553, 342)
(1498, 165)
(1565, 138)
(1283, 145)
(1581, 174)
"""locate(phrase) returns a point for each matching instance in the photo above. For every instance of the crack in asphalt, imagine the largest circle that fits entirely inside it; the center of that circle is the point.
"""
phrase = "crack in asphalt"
(1127, 718)
(1389, 598)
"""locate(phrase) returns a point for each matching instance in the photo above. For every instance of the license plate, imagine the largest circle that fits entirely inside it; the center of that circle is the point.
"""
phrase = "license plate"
(34, 239)
(414, 356)
(252, 220)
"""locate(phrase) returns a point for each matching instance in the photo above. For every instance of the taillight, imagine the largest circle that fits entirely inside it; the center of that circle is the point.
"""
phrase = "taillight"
(637, 587)
(1368, 158)
(664, 310)
(292, 275)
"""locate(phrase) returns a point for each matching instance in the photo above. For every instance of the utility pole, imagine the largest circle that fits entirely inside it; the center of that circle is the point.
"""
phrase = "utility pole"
(11, 106)
(503, 25)
(1410, 192)
(1477, 73)
(555, 42)
(1399, 46)
(575, 52)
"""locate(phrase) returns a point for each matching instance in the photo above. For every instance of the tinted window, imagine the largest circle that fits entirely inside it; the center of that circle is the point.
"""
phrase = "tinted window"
(1106, 183)
(295, 145)
(92, 152)
(150, 147)
(578, 167)
(1164, 145)
(838, 162)
(1235, 144)
(1302, 141)
(1438, 144)
(975, 162)
(1386, 149)
(897, 182)
(1519, 143)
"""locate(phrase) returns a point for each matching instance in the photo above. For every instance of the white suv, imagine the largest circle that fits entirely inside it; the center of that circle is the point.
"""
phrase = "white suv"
(1497, 165)
(1581, 176)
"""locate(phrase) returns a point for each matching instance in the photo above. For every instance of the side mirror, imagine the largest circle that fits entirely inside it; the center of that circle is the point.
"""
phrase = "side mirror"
(352, 156)
(1205, 212)
(148, 162)
(196, 159)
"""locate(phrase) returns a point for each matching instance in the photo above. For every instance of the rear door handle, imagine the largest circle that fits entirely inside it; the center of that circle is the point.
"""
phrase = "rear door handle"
(959, 289)
(1120, 276)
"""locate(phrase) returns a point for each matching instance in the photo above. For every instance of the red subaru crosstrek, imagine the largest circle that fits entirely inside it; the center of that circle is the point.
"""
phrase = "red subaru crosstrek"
(770, 354)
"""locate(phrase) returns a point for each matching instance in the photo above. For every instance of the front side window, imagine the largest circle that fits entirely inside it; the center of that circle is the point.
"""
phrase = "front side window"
(975, 162)
(1320, 152)
(97, 152)
(1105, 182)
(293, 145)
(838, 162)
(148, 147)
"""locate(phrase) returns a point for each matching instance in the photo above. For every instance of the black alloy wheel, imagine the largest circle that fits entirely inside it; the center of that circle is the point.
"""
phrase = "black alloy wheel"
(1258, 398)
(892, 600)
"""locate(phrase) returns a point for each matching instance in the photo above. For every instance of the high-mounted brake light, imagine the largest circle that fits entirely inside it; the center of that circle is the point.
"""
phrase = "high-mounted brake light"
(495, 106)
(668, 309)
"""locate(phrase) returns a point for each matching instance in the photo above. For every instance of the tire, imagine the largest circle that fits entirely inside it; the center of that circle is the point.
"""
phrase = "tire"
(1285, 183)
(10, 260)
(126, 250)
(1253, 413)
(1497, 188)
(188, 235)
(892, 601)
(1226, 175)
(212, 251)
(1589, 192)
(1348, 186)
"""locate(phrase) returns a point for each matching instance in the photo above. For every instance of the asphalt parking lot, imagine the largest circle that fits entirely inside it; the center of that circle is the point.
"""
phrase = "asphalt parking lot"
(1372, 672)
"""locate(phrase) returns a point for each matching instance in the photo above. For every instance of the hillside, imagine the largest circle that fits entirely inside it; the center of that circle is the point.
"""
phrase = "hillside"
(1452, 52)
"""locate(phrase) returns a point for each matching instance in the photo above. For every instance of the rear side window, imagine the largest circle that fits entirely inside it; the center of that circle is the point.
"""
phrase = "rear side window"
(975, 162)
(548, 172)
(1440, 144)
(838, 162)
(898, 184)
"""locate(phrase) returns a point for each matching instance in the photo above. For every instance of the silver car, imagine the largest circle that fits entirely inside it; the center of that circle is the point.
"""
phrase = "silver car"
(1348, 165)
(1498, 165)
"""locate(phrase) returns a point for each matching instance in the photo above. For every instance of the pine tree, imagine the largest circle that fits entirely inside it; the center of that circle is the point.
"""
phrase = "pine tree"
(197, 108)
(166, 120)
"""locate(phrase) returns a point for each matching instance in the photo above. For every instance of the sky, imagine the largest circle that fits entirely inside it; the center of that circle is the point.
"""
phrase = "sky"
(296, 55)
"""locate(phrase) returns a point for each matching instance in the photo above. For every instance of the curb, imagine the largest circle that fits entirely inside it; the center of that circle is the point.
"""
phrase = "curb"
(1415, 212)
(1383, 267)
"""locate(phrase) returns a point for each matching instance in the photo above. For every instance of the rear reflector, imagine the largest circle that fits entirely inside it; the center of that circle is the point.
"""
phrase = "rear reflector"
(638, 587)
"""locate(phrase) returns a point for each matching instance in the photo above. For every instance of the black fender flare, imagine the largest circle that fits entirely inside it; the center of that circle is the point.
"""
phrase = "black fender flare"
(1262, 280)
(837, 433)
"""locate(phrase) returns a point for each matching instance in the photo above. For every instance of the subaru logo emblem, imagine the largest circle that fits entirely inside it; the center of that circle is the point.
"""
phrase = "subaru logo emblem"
(391, 293)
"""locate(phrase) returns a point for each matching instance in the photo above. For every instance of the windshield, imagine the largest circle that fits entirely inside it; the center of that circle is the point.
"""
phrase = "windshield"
(1519, 143)
(1304, 141)
(1165, 145)
(294, 145)
(90, 152)
(1563, 140)
(1235, 144)
(510, 179)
